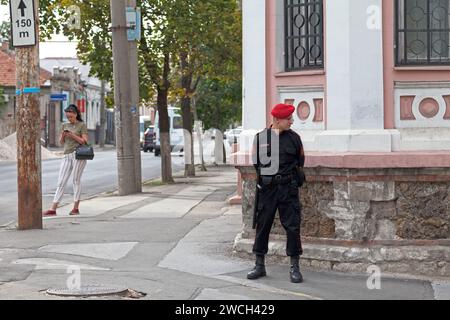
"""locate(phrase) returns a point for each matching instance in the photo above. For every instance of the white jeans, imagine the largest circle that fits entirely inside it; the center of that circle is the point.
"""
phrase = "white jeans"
(70, 163)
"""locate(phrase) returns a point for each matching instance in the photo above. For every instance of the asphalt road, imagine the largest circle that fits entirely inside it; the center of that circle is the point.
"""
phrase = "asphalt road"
(99, 176)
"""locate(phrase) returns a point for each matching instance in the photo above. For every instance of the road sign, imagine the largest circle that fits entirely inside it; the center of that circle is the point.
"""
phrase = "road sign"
(58, 97)
(23, 26)
(133, 17)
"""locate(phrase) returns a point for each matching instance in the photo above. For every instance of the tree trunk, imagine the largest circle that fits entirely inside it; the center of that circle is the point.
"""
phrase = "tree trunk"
(164, 136)
(102, 135)
(189, 166)
(166, 159)
(186, 82)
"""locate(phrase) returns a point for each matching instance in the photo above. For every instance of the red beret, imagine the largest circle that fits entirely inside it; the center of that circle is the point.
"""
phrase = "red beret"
(282, 111)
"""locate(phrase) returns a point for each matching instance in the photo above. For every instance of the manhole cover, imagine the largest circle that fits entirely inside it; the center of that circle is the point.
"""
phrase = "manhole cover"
(86, 291)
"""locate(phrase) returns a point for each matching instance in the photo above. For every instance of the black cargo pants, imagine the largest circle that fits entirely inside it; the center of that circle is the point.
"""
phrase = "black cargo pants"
(285, 198)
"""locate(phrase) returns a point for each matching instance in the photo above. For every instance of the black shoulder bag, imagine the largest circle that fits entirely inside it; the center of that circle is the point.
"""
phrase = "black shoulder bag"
(84, 152)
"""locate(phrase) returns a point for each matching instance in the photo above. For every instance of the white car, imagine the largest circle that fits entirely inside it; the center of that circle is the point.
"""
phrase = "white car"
(176, 131)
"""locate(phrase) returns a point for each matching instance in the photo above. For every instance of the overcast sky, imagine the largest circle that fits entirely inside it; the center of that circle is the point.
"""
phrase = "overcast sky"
(58, 48)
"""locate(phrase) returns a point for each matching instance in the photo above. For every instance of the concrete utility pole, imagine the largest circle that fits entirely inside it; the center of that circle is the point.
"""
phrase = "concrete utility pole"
(134, 82)
(25, 31)
(126, 145)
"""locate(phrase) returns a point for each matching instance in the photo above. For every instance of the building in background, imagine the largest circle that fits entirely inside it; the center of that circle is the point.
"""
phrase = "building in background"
(8, 84)
(63, 81)
(66, 88)
(85, 92)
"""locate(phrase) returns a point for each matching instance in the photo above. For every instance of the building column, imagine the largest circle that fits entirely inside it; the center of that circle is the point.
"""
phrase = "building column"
(354, 64)
(254, 70)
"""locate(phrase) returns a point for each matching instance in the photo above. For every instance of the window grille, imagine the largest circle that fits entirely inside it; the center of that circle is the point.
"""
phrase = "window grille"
(303, 34)
(422, 32)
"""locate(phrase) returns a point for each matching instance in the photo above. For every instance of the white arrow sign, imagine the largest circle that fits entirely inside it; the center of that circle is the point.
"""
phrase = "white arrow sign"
(22, 23)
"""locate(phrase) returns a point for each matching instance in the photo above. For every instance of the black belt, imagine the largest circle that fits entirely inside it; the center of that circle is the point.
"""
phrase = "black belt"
(277, 179)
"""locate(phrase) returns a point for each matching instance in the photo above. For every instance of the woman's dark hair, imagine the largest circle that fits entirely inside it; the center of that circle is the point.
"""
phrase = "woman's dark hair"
(74, 109)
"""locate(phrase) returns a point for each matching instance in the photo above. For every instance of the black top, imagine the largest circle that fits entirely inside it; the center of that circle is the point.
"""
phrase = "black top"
(273, 160)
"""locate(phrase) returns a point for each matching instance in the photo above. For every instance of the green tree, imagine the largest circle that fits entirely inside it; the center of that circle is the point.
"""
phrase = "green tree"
(208, 35)
(219, 103)
(5, 31)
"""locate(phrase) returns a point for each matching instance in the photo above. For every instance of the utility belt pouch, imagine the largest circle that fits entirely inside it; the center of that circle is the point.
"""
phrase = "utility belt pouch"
(266, 180)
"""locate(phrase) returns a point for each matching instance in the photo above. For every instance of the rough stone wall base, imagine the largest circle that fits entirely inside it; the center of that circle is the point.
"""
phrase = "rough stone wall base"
(409, 259)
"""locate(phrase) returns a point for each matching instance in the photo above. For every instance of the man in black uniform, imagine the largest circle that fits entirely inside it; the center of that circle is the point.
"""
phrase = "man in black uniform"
(278, 158)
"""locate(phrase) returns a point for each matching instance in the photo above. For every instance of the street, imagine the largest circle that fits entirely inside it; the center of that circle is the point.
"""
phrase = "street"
(99, 176)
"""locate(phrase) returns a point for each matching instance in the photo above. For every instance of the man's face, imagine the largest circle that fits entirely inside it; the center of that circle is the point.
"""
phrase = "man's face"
(285, 124)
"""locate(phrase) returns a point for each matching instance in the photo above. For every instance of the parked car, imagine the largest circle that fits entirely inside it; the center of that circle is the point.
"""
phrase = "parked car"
(149, 139)
(232, 135)
(176, 131)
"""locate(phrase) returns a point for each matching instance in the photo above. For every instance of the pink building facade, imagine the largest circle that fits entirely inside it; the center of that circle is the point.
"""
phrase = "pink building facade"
(370, 80)
(365, 76)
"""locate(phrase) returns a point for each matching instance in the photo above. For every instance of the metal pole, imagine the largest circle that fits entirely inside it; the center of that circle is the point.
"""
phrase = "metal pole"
(134, 82)
(122, 100)
(29, 182)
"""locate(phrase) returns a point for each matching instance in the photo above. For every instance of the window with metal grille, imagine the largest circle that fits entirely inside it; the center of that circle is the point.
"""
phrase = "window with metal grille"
(422, 32)
(303, 34)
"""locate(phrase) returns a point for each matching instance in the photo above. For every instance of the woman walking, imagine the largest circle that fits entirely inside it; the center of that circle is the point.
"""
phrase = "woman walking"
(73, 134)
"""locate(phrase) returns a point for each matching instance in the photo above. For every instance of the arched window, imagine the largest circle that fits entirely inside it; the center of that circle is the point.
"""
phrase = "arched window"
(303, 34)
(422, 32)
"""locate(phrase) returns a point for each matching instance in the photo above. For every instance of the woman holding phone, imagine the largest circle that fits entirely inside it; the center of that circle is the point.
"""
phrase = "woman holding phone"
(73, 133)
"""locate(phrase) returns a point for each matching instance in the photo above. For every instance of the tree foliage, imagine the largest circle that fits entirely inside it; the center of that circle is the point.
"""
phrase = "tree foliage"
(5, 31)
(219, 103)
(209, 43)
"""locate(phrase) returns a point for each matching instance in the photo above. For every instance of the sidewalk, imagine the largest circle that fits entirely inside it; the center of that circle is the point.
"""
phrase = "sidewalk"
(170, 242)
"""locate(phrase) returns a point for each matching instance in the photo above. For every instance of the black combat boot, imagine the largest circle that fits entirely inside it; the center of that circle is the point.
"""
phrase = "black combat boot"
(259, 270)
(296, 276)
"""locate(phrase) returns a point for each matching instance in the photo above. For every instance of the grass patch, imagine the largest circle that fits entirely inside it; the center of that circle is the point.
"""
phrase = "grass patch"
(154, 183)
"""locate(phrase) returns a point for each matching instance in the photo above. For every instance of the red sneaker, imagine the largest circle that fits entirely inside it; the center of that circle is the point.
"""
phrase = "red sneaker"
(49, 213)
(74, 212)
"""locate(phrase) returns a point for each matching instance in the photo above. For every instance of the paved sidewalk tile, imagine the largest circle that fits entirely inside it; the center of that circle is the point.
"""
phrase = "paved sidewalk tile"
(97, 206)
(108, 251)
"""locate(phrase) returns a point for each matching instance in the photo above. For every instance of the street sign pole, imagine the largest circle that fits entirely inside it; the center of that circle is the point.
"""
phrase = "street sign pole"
(133, 36)
(24, 29)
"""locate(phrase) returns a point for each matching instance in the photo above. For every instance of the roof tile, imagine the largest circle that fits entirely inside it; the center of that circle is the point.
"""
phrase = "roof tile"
(8, 71)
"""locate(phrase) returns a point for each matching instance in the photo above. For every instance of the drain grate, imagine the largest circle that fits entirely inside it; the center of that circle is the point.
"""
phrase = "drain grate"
(89, 291)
